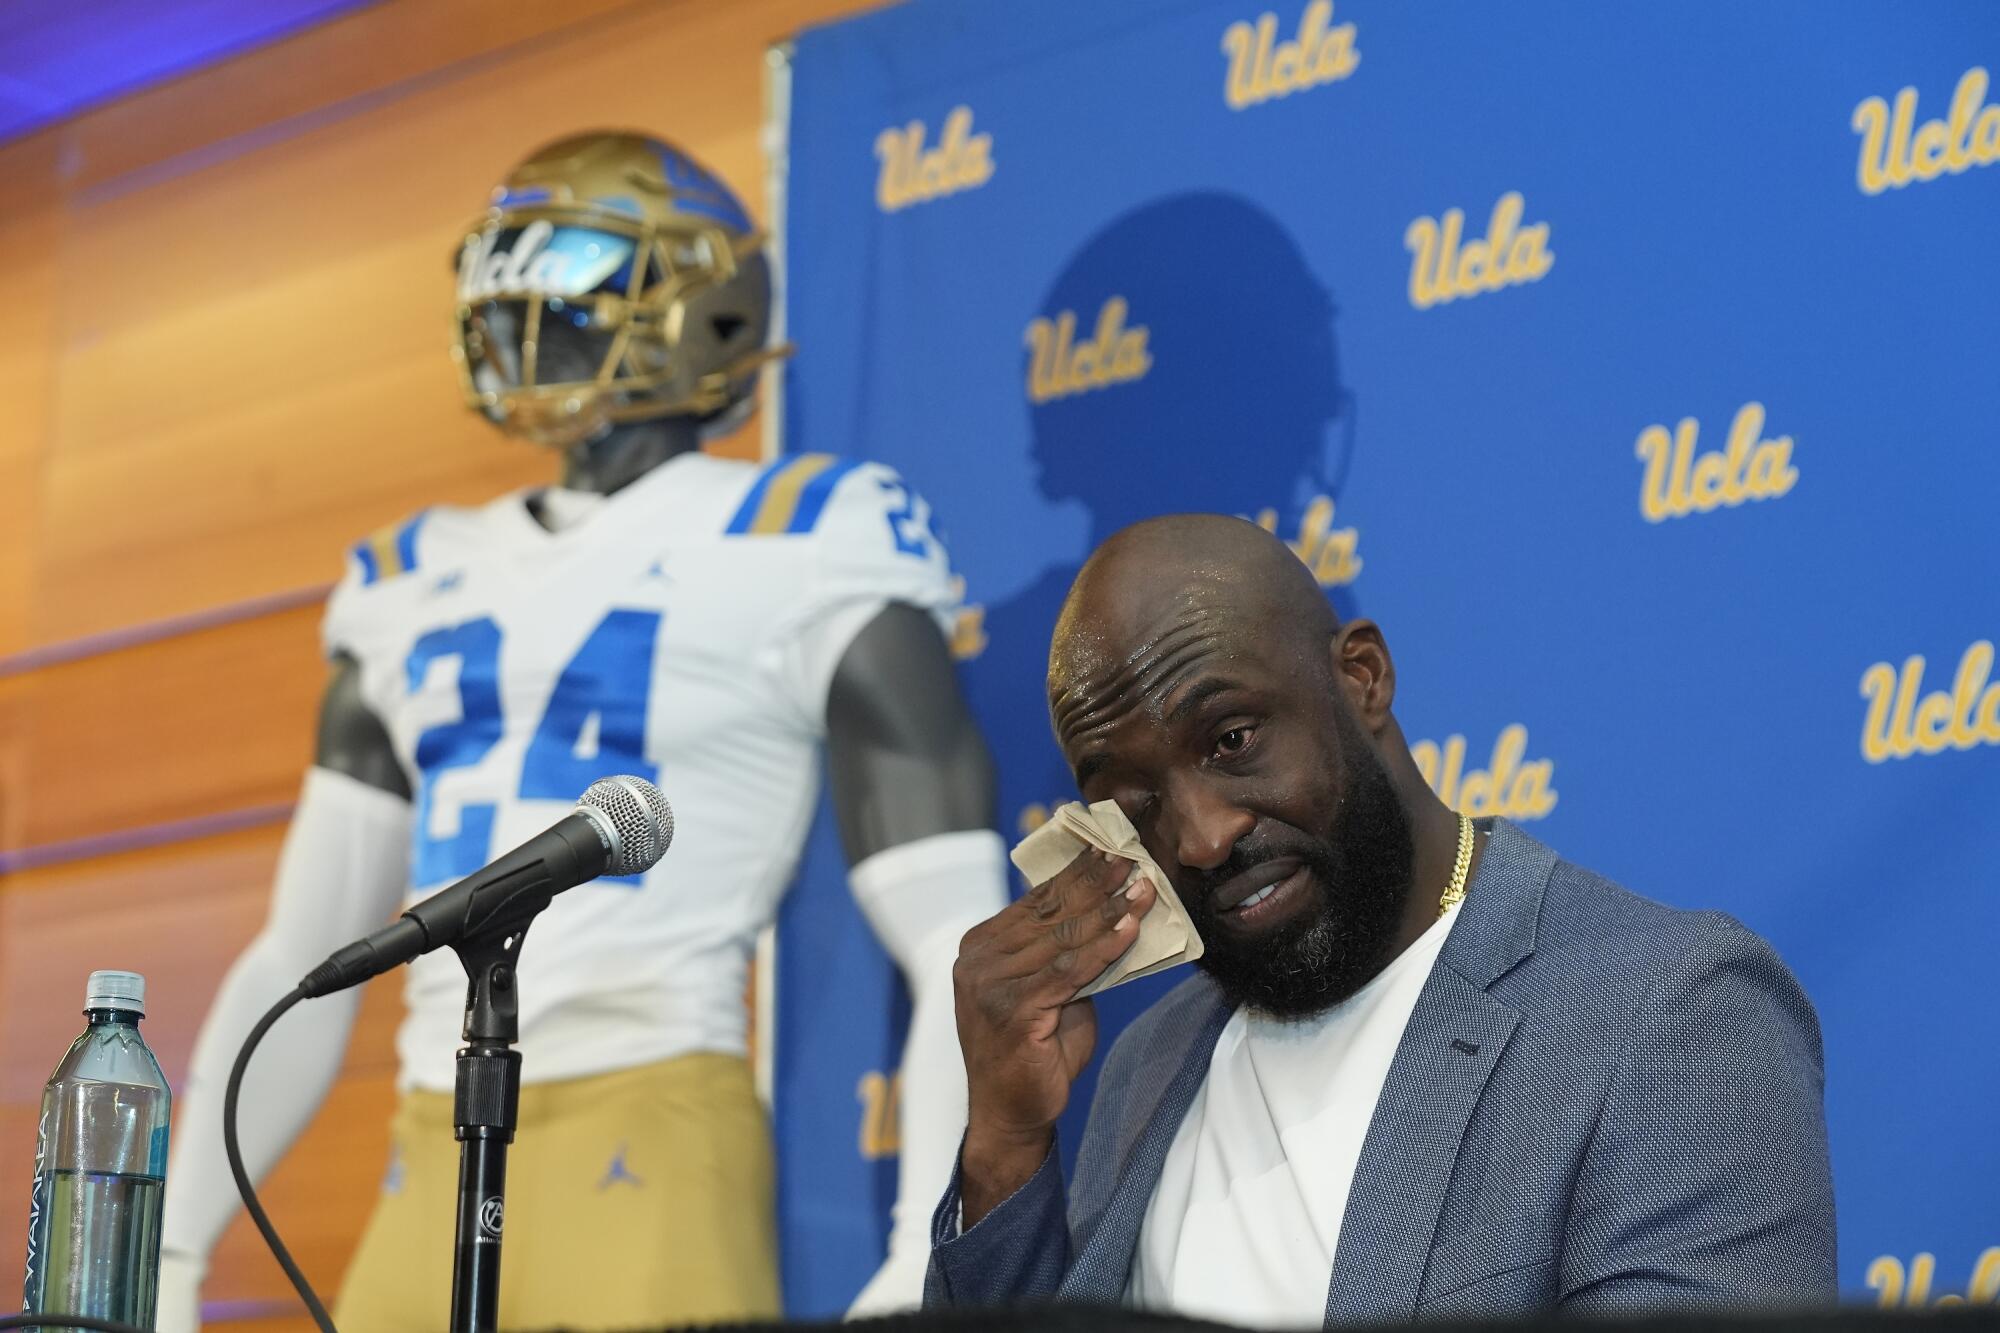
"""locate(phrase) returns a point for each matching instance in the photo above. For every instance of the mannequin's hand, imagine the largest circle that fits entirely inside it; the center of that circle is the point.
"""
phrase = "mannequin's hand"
(180, 1293)
(898, 1285)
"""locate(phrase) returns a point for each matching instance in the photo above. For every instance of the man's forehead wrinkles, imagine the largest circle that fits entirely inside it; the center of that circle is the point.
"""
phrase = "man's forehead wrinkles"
(1112, 694)
(1098, 671)
(1080, 718)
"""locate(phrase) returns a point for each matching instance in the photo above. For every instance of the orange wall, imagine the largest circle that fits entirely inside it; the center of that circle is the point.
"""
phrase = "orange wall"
(224, 360)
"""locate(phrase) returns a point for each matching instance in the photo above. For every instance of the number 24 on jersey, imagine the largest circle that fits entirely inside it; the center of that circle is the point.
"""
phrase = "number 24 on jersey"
(606, 686)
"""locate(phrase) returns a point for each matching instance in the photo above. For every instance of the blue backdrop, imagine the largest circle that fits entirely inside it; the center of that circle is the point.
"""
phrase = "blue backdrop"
(1637, 368)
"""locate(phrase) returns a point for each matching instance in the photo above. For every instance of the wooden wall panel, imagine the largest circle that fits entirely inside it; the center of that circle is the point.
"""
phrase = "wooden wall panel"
(177, 914)
(225, 361)
(14, 723)
(199, 724)
(30, 240)
(368, 53)
(249, 327)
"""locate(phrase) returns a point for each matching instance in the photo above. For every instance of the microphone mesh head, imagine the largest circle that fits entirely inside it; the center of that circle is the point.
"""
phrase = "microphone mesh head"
(640, 813)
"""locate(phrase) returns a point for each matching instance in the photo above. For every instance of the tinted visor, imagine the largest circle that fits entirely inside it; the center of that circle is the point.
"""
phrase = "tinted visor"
(504, 272)
(543, 259)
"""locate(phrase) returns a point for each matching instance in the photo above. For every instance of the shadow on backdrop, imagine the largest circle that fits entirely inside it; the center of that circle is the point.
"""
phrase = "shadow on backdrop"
(1184, 359)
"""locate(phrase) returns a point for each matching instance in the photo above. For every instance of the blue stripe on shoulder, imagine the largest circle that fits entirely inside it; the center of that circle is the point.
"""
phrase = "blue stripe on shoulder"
(406, 541)
(365, 557)
(746, 512)
(817, 492)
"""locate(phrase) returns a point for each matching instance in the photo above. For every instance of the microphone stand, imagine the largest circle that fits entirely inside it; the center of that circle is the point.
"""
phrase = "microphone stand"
(486, 1105)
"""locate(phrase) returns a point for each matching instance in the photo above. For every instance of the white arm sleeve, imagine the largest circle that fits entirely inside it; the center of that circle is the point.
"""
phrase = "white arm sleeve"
(921, 898)
(341, 874)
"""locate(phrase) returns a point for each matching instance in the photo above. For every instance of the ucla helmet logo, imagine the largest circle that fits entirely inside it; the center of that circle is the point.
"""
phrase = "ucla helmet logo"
(612, 279)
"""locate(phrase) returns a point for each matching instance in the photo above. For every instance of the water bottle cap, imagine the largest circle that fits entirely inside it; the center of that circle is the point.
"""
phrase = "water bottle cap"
(116, 990)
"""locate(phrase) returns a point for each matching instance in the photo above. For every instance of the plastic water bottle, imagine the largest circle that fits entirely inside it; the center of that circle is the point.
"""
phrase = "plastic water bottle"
(101, 1167)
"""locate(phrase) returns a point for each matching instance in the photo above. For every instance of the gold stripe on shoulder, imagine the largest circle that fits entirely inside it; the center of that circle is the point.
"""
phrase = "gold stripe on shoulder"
(781, 497)
(388, 560)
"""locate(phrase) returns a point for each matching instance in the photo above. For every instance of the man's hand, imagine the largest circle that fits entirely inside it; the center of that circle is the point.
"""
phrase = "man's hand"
(1024, 1033)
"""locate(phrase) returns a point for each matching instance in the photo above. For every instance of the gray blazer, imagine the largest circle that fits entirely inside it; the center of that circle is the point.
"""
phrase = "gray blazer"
(1601, 1105)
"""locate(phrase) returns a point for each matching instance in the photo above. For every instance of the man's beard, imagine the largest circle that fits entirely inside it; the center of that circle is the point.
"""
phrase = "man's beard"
(1363, 869)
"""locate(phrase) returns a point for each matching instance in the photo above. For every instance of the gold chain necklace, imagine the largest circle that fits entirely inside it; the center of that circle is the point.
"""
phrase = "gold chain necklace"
(1455, 895)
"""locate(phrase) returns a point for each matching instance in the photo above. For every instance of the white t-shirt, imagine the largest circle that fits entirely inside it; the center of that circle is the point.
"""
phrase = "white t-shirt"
(1243, 1225)
(685, 629)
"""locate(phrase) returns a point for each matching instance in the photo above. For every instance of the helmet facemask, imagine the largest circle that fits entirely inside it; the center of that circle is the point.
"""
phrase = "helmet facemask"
(573, 319)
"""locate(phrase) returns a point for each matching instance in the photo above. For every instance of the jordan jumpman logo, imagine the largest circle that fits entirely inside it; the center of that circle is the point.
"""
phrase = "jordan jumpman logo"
(618, 1171)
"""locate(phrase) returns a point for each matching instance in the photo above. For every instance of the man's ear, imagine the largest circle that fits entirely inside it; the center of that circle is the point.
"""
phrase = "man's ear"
(1367, 675)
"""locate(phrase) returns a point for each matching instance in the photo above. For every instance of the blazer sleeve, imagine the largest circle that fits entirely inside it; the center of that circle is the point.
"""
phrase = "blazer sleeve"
(1707, 1183)
(1015, 1254)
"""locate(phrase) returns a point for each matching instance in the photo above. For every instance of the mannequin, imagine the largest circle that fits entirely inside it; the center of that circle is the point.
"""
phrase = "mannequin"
(660, 611)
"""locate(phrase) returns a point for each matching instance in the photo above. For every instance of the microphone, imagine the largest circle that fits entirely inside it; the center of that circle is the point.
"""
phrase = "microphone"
(621, 826)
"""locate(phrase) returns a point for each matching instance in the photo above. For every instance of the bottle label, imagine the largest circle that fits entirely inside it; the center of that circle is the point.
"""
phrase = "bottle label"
(38, 1207)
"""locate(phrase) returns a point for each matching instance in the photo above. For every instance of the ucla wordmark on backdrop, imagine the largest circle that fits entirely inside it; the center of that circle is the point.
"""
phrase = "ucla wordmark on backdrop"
(1902, 721)
(1332, 554)
(1679, 481)
(1898, 1288)
(1059, 366)
(1896, 151)
(913, 174)
(1510, 785)
(881, 1098)
(1508, 256)
(1262, 68)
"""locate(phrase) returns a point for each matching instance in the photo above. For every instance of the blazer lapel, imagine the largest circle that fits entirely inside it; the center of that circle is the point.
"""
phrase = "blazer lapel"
(1447, 1053)
(1450, 1048)
(1103, 1261)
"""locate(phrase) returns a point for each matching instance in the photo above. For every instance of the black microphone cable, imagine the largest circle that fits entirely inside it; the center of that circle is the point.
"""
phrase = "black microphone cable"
(234, 1150)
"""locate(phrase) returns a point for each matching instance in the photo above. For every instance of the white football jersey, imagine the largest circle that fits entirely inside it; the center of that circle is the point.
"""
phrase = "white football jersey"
(685, 629)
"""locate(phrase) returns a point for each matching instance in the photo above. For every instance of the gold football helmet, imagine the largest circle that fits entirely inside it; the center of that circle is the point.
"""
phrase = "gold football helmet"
(612, 279)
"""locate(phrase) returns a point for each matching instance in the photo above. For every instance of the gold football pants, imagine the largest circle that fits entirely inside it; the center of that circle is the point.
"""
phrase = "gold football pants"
(635, 1199)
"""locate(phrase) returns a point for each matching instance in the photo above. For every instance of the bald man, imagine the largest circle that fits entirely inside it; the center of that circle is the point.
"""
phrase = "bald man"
(1428, 1068)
